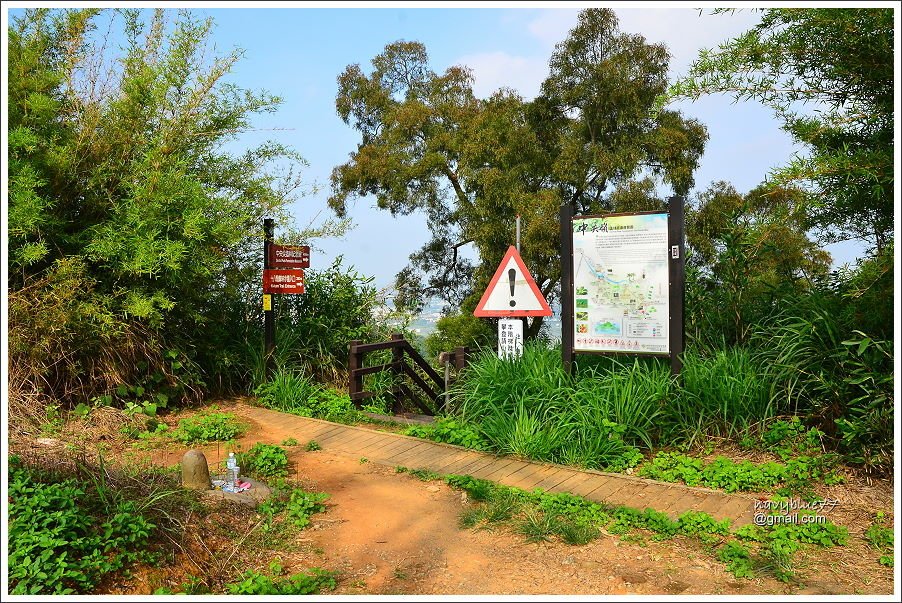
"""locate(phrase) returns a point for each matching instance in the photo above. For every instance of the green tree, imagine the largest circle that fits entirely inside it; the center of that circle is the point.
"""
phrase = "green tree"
(127, 215)
(748, 255)
(471, 165)
(828, 75)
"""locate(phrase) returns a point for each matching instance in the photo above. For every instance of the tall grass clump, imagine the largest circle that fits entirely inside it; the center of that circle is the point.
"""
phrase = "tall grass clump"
(722, 394)
(838, 378)
(531, 407)
(633, 394)
(295, 393)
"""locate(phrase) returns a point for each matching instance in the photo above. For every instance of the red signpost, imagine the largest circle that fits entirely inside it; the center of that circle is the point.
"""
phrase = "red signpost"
(282, 274)
(283, 281)
(289, 256)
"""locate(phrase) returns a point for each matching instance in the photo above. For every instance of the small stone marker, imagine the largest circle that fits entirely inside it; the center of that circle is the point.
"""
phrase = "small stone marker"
(195, 472)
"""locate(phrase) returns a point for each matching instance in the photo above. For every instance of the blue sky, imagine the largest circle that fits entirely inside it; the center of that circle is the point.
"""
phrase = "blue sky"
(297, 52)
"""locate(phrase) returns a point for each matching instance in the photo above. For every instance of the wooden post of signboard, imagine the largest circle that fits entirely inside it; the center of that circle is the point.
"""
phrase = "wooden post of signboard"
(269, 319)
(677, 270)
(567, 342)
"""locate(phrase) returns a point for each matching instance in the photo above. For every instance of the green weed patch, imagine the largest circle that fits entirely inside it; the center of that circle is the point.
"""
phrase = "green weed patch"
(542, 516)
(291, 505)
(264, 460)
(795, 476)
(67, 534)
(208, 427)
(311, 582)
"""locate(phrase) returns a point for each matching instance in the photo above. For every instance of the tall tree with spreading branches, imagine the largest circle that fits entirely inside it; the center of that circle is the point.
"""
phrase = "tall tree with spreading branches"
(471, 165)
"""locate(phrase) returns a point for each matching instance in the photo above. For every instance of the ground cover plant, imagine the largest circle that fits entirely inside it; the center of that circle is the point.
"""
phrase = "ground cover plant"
(72, 527)
(541, 516)
(264, 460)
(290, 505)
(797, 475)
(880, 537)
(310, 582)
(207, 426)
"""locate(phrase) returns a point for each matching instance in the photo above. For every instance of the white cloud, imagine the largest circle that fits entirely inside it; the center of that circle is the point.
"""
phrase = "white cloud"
(552, 25)
(493, 70)
(683, 31)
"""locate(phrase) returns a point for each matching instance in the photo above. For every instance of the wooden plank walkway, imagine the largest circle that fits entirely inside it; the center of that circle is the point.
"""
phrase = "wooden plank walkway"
(416, 453)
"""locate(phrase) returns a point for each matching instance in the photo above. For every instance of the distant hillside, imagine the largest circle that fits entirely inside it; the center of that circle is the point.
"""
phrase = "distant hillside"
(424, 324)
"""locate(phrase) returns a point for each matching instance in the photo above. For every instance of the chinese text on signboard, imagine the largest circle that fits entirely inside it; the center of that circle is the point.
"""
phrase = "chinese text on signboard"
(289, 256)
(510, 338)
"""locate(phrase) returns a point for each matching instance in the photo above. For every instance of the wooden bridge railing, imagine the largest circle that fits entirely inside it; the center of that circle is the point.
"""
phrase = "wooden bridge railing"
(433, 385)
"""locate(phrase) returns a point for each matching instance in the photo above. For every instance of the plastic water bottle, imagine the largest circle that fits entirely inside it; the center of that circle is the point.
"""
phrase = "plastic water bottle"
(232, 471)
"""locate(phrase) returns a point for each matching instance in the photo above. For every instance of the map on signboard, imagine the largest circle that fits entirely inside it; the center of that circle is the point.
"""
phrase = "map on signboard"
(621, 283)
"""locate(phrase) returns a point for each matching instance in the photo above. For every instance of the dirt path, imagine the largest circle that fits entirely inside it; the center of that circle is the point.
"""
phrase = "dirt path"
(390, 533)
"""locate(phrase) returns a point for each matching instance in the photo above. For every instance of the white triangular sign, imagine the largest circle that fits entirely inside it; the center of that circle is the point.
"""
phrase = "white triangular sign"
(512, 291)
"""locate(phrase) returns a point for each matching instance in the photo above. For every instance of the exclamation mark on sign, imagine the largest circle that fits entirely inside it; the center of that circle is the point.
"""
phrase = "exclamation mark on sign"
(511, 275)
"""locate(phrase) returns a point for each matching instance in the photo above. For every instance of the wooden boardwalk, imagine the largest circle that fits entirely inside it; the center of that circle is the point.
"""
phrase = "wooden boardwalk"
(416, 453)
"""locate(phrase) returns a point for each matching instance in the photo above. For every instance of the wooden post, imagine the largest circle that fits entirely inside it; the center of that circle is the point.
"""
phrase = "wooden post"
(447, 382)
(355, 382)
(397, 358)
(269, 319)
(677, 270)
(460, 357)
(566, 219)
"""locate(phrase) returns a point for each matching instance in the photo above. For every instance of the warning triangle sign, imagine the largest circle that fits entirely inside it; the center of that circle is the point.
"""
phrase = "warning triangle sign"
(512, 291)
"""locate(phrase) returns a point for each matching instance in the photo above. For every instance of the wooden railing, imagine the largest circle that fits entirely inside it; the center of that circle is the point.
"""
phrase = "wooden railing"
(429, 383)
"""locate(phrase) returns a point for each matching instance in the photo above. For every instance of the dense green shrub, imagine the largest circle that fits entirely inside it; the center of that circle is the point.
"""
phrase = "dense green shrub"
(128, 209)
(840, 378)
(337, 307)
(459, 329)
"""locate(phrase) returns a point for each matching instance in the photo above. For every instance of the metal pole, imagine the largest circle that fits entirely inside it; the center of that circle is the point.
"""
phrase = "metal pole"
(269, 319)
(518, 233)
(524, 319)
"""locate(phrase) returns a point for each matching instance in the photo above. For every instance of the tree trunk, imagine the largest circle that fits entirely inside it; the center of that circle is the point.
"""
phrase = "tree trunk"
(530, 332)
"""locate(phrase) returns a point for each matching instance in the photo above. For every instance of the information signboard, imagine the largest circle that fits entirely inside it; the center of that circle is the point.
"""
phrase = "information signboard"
(621, 283)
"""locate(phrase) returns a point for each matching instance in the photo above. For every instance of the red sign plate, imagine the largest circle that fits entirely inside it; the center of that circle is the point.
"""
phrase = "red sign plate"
(283, 281)
(289, 256)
